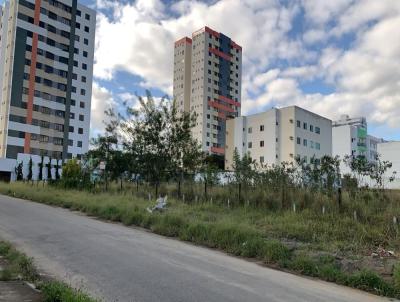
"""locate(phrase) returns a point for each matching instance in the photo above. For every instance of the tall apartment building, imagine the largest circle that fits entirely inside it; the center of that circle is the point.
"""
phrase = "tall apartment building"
(46, 66)
(350, 137)
(279, 135)
(207, 81)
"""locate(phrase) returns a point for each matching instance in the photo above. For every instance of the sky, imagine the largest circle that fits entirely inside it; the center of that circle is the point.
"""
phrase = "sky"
(332, 57)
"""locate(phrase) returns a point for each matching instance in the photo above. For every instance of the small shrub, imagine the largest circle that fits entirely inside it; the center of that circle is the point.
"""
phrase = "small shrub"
(275, 252)
(60, 292)
(396, 276)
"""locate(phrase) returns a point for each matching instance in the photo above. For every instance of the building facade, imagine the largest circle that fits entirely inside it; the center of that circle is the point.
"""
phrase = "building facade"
(207, 81)
(279, 135)
(389, 151)
(46, 65)
(350, 138)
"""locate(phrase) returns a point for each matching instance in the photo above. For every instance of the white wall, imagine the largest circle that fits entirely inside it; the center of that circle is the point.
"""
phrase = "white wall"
(390, 151)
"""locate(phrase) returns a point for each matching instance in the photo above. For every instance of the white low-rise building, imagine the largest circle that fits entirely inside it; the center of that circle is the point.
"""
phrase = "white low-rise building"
(279, 135)
(390, 151)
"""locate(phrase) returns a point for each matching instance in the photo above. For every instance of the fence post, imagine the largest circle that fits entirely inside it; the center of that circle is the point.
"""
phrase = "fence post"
(323, 210)
(294, 207)
(355, 215)
(394, 220)
(240, 191)
(229, 203)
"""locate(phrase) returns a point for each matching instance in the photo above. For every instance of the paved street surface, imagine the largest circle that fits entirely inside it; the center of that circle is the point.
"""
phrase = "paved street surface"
(127, 264)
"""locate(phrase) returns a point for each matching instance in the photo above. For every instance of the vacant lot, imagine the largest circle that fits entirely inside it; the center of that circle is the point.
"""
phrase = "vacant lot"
(349, 246)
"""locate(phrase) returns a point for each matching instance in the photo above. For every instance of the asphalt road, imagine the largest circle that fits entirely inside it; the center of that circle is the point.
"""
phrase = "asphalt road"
(119, 263)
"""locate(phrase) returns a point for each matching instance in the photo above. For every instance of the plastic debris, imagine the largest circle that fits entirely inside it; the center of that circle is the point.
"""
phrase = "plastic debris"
(161, 205)
(382, 253)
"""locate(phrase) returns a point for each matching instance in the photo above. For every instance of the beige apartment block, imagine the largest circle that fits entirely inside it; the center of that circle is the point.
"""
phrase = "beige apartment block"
(279, 135)
(207, 81)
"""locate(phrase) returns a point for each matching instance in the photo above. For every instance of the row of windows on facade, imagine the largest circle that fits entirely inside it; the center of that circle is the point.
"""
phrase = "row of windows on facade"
(50, 83)
(51, 70)
(52, 98)
(52, 15)
(43, 124)
(59, 5)
(195, 38)
(305, 127)
(312, 144)
(232, 50)
(49, 55)
(49, 111)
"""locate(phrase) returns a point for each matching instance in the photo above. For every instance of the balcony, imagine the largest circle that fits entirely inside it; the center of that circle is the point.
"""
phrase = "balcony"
(217, 150)
(220, 106)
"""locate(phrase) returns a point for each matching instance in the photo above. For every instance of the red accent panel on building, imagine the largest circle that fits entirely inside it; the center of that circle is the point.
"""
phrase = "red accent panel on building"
(207, 30)
(183, 40)
(212, 32)
(31, 92)
(220, 106)
(234, 45)
(218, 150)
(222, 115)
(229, 101)
(220, 54)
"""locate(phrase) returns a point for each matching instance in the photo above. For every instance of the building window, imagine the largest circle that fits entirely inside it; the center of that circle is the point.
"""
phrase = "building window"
(80, 130)
(317, 130)
(304, 142)
(84, 66)
(81, 117)
(262, 128)
(85, 54)
(311, 144)
(83, 79)
(298, 140)
(80, 144)
(311, 128)
(317, 146)
(250, 130)
(261, 159)
(87, 16)
(86, 41)
(83, 92)
(305, 126)
(250, 145)
(261, 143)
(82, 104)
(87, 29)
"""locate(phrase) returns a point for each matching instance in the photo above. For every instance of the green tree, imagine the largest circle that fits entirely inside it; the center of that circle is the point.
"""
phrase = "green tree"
(57, 168)
(19, 171)
(359, 166)
(72, 174)
(41, 166)
(49, 176)
(379, 170)
(159, 141)
(30, 167)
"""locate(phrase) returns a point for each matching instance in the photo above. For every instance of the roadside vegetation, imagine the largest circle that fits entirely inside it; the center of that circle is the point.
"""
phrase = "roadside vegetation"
(20, 267)
(304, 217)
(332, 246)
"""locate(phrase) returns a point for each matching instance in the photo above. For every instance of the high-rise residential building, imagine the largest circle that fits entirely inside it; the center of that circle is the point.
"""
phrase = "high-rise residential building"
(46, 66)
(207, 81)
(350, 138)
(279, 135)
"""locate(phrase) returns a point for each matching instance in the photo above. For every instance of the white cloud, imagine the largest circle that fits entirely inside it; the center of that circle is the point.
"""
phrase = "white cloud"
(102, 99)
(138, 38)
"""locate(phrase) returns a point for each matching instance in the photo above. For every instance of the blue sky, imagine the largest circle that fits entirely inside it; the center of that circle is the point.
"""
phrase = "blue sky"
(331, 57)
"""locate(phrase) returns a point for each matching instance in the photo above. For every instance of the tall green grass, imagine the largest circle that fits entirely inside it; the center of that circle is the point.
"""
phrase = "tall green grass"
(278, 237)
(19, 266)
